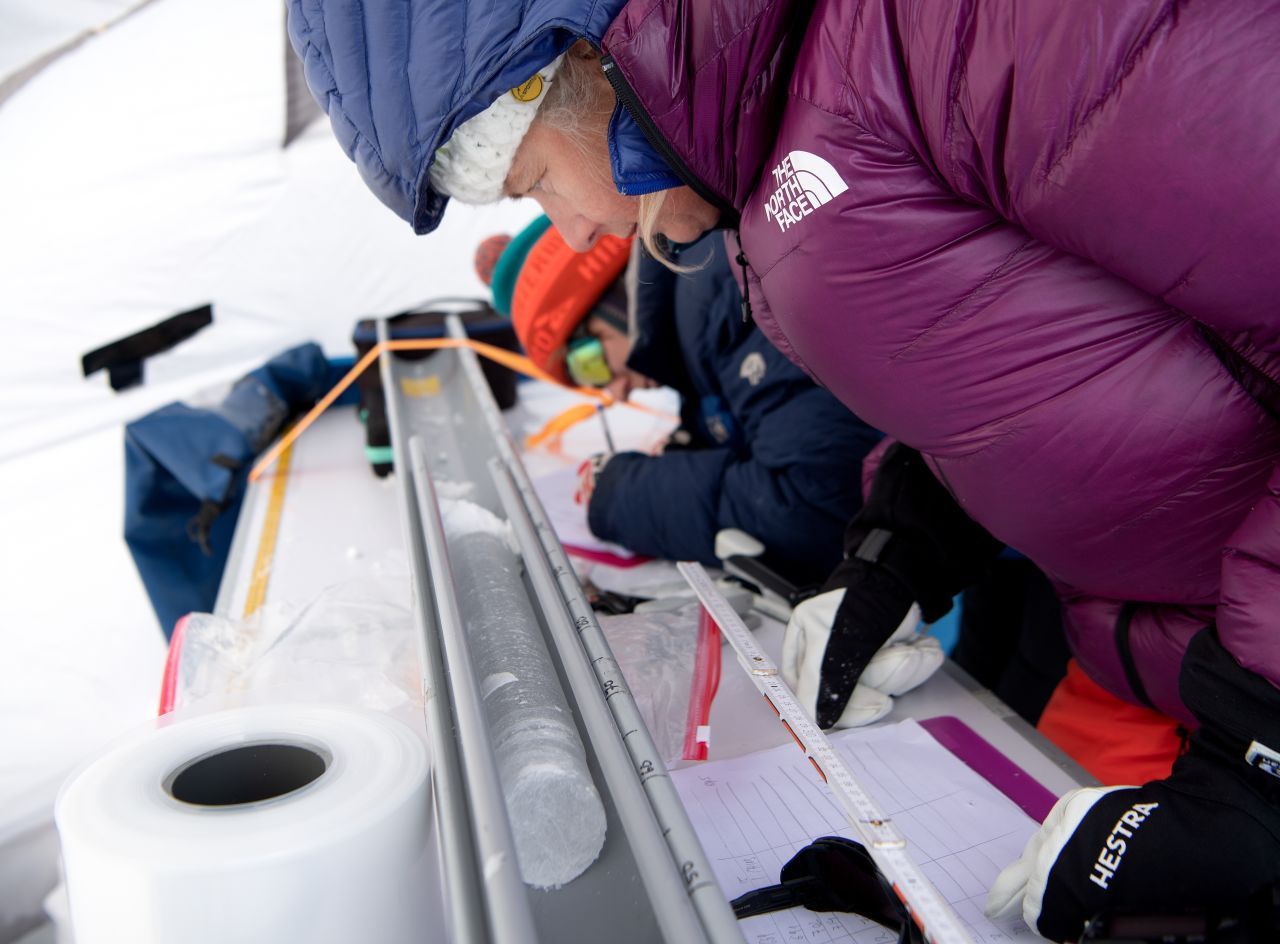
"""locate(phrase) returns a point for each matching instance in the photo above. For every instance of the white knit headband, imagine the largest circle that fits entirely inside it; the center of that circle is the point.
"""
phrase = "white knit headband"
(473, 164)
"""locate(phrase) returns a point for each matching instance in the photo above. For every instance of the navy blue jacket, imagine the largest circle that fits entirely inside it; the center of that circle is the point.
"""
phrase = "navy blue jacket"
(772, 453)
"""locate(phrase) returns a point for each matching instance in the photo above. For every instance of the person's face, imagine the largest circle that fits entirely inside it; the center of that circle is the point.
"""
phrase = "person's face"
(617, 348)
(575, 189)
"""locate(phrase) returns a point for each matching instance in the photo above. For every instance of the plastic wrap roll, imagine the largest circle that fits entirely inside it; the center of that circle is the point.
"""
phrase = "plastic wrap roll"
(557, 820)
(255, 825)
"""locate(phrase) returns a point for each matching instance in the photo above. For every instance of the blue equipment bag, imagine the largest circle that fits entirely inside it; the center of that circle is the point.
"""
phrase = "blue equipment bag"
(185, 473)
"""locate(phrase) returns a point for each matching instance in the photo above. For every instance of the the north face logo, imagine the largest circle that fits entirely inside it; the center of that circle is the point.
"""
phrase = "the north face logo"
(804, 183)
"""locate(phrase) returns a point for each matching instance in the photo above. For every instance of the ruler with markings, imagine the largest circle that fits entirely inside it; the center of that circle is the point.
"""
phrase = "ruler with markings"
(887, 846)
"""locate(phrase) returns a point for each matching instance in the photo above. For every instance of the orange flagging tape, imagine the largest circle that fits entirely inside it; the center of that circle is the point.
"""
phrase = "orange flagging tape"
(516, 362)
(559, 424)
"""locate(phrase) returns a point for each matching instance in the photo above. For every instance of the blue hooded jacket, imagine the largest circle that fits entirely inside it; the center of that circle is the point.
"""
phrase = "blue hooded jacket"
(771, 452)
(397, 78)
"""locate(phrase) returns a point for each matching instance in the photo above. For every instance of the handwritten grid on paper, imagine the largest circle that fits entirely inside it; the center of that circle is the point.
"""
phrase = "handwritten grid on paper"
(753, 813)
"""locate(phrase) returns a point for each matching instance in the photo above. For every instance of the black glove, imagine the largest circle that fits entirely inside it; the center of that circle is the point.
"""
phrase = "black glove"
(1205, 837)
(848, 649)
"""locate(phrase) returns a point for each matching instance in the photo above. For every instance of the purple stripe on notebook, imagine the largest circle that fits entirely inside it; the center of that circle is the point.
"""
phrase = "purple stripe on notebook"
(1002, 773)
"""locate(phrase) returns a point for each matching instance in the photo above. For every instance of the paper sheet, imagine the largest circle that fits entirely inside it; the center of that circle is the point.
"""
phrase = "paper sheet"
(569, 519)
(753, 813)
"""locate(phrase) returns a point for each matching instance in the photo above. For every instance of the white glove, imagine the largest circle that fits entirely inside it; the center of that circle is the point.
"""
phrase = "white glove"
(1019, 888)
(1204, 840)
(904, 661)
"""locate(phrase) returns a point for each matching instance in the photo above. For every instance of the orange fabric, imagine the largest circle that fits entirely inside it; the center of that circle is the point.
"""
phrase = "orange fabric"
(556, 289)
(1116, 741)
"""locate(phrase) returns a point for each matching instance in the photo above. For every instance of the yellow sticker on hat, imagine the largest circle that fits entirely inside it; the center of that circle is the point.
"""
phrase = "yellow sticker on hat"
(528, 91)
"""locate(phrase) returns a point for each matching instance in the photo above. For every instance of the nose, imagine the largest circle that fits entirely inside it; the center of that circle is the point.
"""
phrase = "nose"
(579, 233)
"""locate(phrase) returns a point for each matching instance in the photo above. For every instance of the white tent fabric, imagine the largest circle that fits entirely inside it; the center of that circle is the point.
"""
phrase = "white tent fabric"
(32, 33)
(142, 174)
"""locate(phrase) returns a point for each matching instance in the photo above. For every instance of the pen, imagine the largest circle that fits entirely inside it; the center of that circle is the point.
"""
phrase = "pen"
(608, 439)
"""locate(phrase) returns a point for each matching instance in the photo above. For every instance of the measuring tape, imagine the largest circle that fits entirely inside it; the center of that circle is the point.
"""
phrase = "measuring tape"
(887, 846)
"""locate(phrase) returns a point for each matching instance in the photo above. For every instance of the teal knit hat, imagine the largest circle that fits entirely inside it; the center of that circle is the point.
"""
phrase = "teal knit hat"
(511, 261)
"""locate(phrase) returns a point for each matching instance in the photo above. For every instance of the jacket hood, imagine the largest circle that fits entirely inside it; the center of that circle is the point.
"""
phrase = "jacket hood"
(710, 78)
(397, 78)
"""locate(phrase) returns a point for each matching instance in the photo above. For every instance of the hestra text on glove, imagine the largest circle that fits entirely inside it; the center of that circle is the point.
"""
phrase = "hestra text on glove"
(1205, 838)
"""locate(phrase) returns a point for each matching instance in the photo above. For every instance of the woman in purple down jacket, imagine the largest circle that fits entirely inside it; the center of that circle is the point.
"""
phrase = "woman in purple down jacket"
(1038, 243)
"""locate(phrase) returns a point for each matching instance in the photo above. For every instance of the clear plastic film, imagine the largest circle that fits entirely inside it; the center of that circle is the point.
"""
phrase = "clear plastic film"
(656, 651)
(255, 825)
(353, 644)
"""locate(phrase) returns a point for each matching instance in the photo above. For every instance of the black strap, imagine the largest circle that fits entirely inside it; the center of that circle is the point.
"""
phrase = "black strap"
(766, 578)
(200, 526)
(1123, 626)
(123, 358)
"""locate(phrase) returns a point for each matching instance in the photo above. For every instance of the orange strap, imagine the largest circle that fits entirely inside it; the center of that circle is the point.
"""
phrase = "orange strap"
(517, 362)
(558, 425)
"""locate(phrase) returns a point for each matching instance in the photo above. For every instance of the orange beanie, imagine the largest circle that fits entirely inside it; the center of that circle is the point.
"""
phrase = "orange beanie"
(556, 289)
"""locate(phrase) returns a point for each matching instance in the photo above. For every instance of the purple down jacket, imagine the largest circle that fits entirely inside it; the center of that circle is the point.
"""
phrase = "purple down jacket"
(1037, 241)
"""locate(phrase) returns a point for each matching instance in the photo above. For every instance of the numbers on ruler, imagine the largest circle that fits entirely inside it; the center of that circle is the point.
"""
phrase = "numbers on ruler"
(858, 806)
(690, 873)
(611, 687)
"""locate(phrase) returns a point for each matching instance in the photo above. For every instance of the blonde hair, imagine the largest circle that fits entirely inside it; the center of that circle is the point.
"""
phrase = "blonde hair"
(579, 104)
(580, 99)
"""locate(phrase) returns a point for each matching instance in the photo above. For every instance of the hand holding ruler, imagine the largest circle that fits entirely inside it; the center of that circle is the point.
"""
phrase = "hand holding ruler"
(887, 846)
